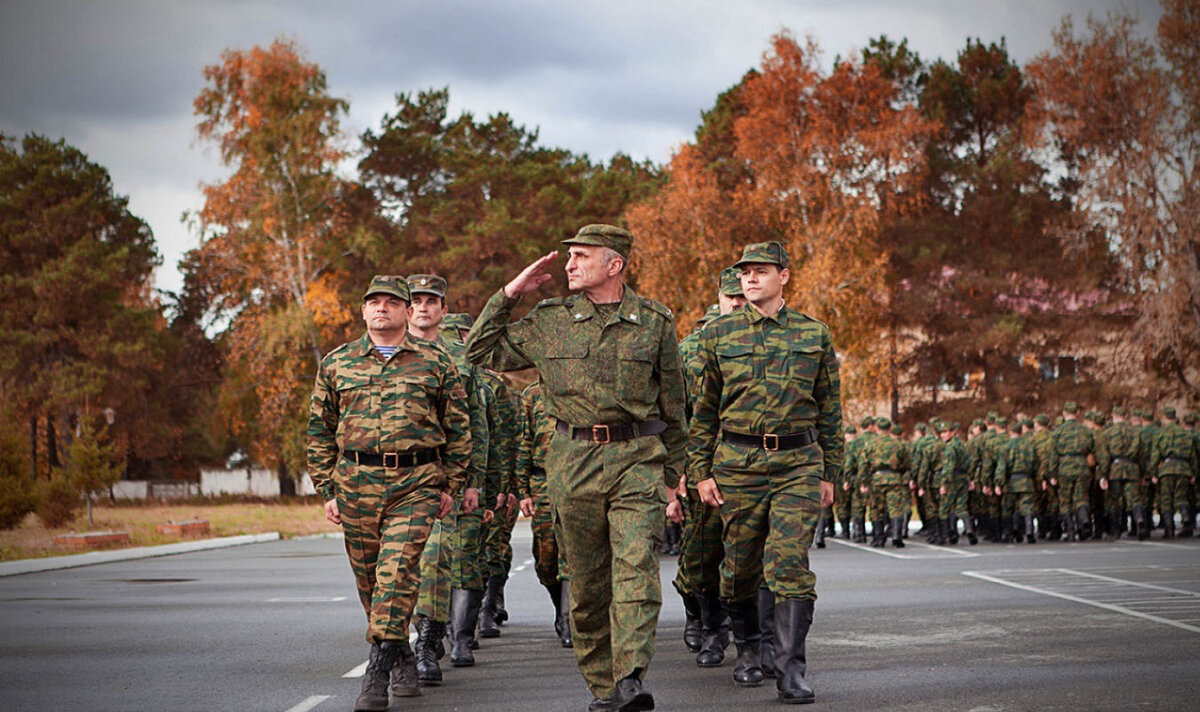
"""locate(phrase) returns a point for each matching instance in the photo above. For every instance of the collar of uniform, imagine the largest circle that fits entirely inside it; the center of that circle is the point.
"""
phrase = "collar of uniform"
(365, 346)
(780, 317)
(630, 308)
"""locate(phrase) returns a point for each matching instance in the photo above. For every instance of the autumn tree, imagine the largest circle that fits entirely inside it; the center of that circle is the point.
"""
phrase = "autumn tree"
(1123, 121)
(266, 235)
(80, 331)
(476, 200)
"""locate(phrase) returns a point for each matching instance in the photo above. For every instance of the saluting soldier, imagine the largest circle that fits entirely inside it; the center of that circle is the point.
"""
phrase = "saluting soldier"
(609, 365)
(388, 449)
(766, 447)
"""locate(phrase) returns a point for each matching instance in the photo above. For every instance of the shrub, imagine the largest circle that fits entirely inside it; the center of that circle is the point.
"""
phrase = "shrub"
(16, 487)
(58, 498)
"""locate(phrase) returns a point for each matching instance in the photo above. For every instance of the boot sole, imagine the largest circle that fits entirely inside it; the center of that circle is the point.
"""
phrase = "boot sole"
(639, 703)
(462, 663)
(489, 634)
(797, 700)
(719, 663)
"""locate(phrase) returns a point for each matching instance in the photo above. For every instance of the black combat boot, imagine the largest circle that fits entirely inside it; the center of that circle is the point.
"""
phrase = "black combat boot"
(937, 537)
(858, 530)
(878, 533)
(374, 696)
(1186, 523)
(1015, 525)
(464, 613)
(488, 627)
(501, 611)
(845, 522)
(747, 637)
(792, 621)
(564, 615)
(952, 530)
(1030, 536)
(898, 534)
(1140, 526)
(404, 676)
(969, 530)
(631, 696)
(819, 534)
(714, 630)
(1167, 521)
(555, 592)
(692, 614)
(1085, 523)
(830, 526)
(766, 627)
(428, 671)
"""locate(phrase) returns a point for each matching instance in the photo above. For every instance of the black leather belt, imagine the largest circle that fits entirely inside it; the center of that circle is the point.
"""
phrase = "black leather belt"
(772, 441)
(610, 433)
(392, 460)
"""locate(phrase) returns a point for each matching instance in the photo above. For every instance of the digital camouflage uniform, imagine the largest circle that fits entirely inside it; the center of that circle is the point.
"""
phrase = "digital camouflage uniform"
(602, 365)
(363, 403)
(1074, 444)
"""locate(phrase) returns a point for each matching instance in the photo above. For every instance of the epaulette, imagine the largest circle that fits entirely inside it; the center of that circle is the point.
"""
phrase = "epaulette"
(810, 318)
(551, 302)
(658, 307)
(339, 349)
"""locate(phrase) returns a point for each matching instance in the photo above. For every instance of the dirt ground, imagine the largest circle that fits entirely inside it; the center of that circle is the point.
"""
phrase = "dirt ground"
(295, 517)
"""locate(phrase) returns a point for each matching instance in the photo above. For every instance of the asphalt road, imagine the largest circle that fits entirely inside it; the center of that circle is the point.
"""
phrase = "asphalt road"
(276, 627)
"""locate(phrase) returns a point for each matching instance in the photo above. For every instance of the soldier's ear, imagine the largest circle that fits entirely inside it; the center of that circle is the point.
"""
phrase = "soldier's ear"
(784, 275)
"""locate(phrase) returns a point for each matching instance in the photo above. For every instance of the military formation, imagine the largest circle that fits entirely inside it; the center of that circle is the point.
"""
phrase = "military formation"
(425, 453)
(1084, 475)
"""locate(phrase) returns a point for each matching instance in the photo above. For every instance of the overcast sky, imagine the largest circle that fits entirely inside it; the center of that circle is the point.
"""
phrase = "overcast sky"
(116, 78)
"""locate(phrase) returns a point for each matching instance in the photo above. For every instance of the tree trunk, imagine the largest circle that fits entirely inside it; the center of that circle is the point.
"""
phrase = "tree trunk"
(895, 386)
(51, 444)
(33, 447)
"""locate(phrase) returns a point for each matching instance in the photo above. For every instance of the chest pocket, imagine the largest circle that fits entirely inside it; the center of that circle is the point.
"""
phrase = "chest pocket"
(635, 362)
(413, 393)
(804, 362)
(353, 392)
(736, 362)
(562, 367)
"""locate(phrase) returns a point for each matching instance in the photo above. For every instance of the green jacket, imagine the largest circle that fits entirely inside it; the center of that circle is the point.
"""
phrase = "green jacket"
(1073, 442)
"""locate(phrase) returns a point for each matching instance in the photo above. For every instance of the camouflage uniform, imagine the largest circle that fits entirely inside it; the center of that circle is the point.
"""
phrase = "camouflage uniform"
(1046, 497)
(497, 534)
(931, 465)
(607, 371)
(1074, 450)
(406, 406)
(1173, 460)
(1017, 469)
(885, 464)
(772, 381)
(850, 475)
(952, 481)
(1120, 471)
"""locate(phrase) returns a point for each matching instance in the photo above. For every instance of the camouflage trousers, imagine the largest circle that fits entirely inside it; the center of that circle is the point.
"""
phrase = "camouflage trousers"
(895, 500)
(858, 502)
(466, 551)
(433, 597)
(548, 561)
(1123, 495)
(497, 544)
(955, 502)
(842, 500)
(609, 504)
(1018, 502)
(929, 503)
(1047, 500)
(768, 522)
(700, 548)
(1073, 493)
(1172, 495)
(386, 517)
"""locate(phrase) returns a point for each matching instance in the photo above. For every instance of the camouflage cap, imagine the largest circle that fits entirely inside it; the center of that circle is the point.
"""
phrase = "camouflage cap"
(764, 253)
(940, 426)
(459, 320)
(1001, 421)
(1191, 418)
(1070, 407)
(1041, 419)
(866, 422)
(388, 284)
(897, 429)
(991, 416)
(427, 284)
(1027, 423)
(711, 313)
(730, 282)
(883, 423)
(977, 422)
(922, 427)
(851, 430)
(1119, 410)
(610, 236)
(955, 426)
(1168, 413)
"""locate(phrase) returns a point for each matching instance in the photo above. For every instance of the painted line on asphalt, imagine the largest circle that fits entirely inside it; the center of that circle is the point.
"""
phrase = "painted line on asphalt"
(947, 549)
(524, 565)
(310, 703)
(1123, 582)
(52, 563)
(360, 670)
(306, 599)
(1076, 599)
(891, 554)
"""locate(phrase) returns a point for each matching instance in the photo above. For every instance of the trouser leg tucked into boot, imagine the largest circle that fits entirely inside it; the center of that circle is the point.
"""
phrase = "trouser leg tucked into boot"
(555, 592)
(792, 621)
(464, 613)
(898, 528)
(845, 522)
(428, 670)
(1085, 523)
(747, 637)
(564, 616)
(819, 535)
(714, 631)
(1139, 522)
(766, 626)
(1030, 536)
(488, 627)
(1186, 525)
(501, 611)
(374, 696)
(692, 623)
(404, 676)
(879, 532)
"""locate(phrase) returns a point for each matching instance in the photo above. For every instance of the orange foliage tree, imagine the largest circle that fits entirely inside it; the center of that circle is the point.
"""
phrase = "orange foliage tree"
(823, 162)
(265, 234)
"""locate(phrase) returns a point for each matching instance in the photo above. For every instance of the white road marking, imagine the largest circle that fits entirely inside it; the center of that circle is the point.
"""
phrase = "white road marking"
(358, 671)
(310, 703)
(892, 554)
(524, 565)
(1098, 604)
(306, 599)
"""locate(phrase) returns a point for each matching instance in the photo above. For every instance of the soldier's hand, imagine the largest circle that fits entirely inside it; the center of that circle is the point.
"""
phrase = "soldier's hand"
(826, 493)
(1054, 481)
(999, 492)
(446, 505)
(488, 516)
(470, 500)
(710, 494)
(864, 489)
(920, 491)
(675, 511)
(971, 486)
(942, 490)
(527, 506)
(510, 503)
(531, 277)
(332, 513)
(501, 501)
(846, 486)
(1103, 483)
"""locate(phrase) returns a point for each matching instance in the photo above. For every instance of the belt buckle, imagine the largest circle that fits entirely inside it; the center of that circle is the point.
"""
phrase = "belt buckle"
(769, 444)
(602, 428)
(395, 460)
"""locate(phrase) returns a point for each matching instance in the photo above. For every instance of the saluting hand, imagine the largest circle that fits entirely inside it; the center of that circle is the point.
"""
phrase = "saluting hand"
(531, 277)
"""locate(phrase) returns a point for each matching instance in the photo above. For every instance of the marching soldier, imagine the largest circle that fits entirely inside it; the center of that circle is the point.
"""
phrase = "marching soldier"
(1173, 461)
(1074, 451)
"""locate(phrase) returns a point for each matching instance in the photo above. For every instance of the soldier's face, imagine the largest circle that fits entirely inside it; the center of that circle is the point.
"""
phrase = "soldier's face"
(586, 269)
(726, 304)
(427, 311)
(383, 312)
(763, 284)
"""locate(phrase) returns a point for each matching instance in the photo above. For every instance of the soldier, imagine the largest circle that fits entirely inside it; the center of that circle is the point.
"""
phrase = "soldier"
(842, 494)
(1173, 460)
(885, 461)
(388, 450)
(699, 578)
(858, 486)
(609, 364)
(1074, 450)
(549, 565)
(766, 446)
(497, 534)
(1149, 432)
(953, 481)
(1121, 476)
(927, 492)
(922, 447)
(1046, 498)
(1017, 471)
(1190, 421)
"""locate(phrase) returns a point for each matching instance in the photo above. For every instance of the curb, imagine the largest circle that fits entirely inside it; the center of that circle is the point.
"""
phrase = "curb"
(51, 563)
